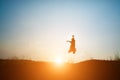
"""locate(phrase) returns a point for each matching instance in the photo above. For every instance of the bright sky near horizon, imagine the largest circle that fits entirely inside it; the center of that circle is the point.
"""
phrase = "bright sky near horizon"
(39, 29)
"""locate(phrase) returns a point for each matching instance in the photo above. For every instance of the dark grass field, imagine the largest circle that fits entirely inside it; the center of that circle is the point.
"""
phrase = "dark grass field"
(86, 70)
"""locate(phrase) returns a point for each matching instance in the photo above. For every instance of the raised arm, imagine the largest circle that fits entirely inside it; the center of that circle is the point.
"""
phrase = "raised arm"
(68, 41)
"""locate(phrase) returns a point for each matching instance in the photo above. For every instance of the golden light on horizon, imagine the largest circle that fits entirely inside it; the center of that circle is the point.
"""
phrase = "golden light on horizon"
(59, 60)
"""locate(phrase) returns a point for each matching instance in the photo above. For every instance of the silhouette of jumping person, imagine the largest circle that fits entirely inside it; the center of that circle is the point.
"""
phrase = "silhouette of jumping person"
(72, 46)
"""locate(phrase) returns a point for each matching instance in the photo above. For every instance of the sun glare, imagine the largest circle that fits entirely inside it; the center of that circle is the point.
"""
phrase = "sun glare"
(59, 60)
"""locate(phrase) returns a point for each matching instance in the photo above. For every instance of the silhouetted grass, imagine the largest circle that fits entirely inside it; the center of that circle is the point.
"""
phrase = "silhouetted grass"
(33, 70)
(117, 57)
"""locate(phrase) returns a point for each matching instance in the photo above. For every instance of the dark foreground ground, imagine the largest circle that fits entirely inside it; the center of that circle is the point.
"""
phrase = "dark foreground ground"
(31, 70)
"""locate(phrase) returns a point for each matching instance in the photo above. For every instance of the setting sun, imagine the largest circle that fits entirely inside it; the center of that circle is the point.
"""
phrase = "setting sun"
(59, 60)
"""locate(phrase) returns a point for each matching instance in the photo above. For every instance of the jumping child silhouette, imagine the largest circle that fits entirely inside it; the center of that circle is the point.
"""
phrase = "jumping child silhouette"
(72, 46)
